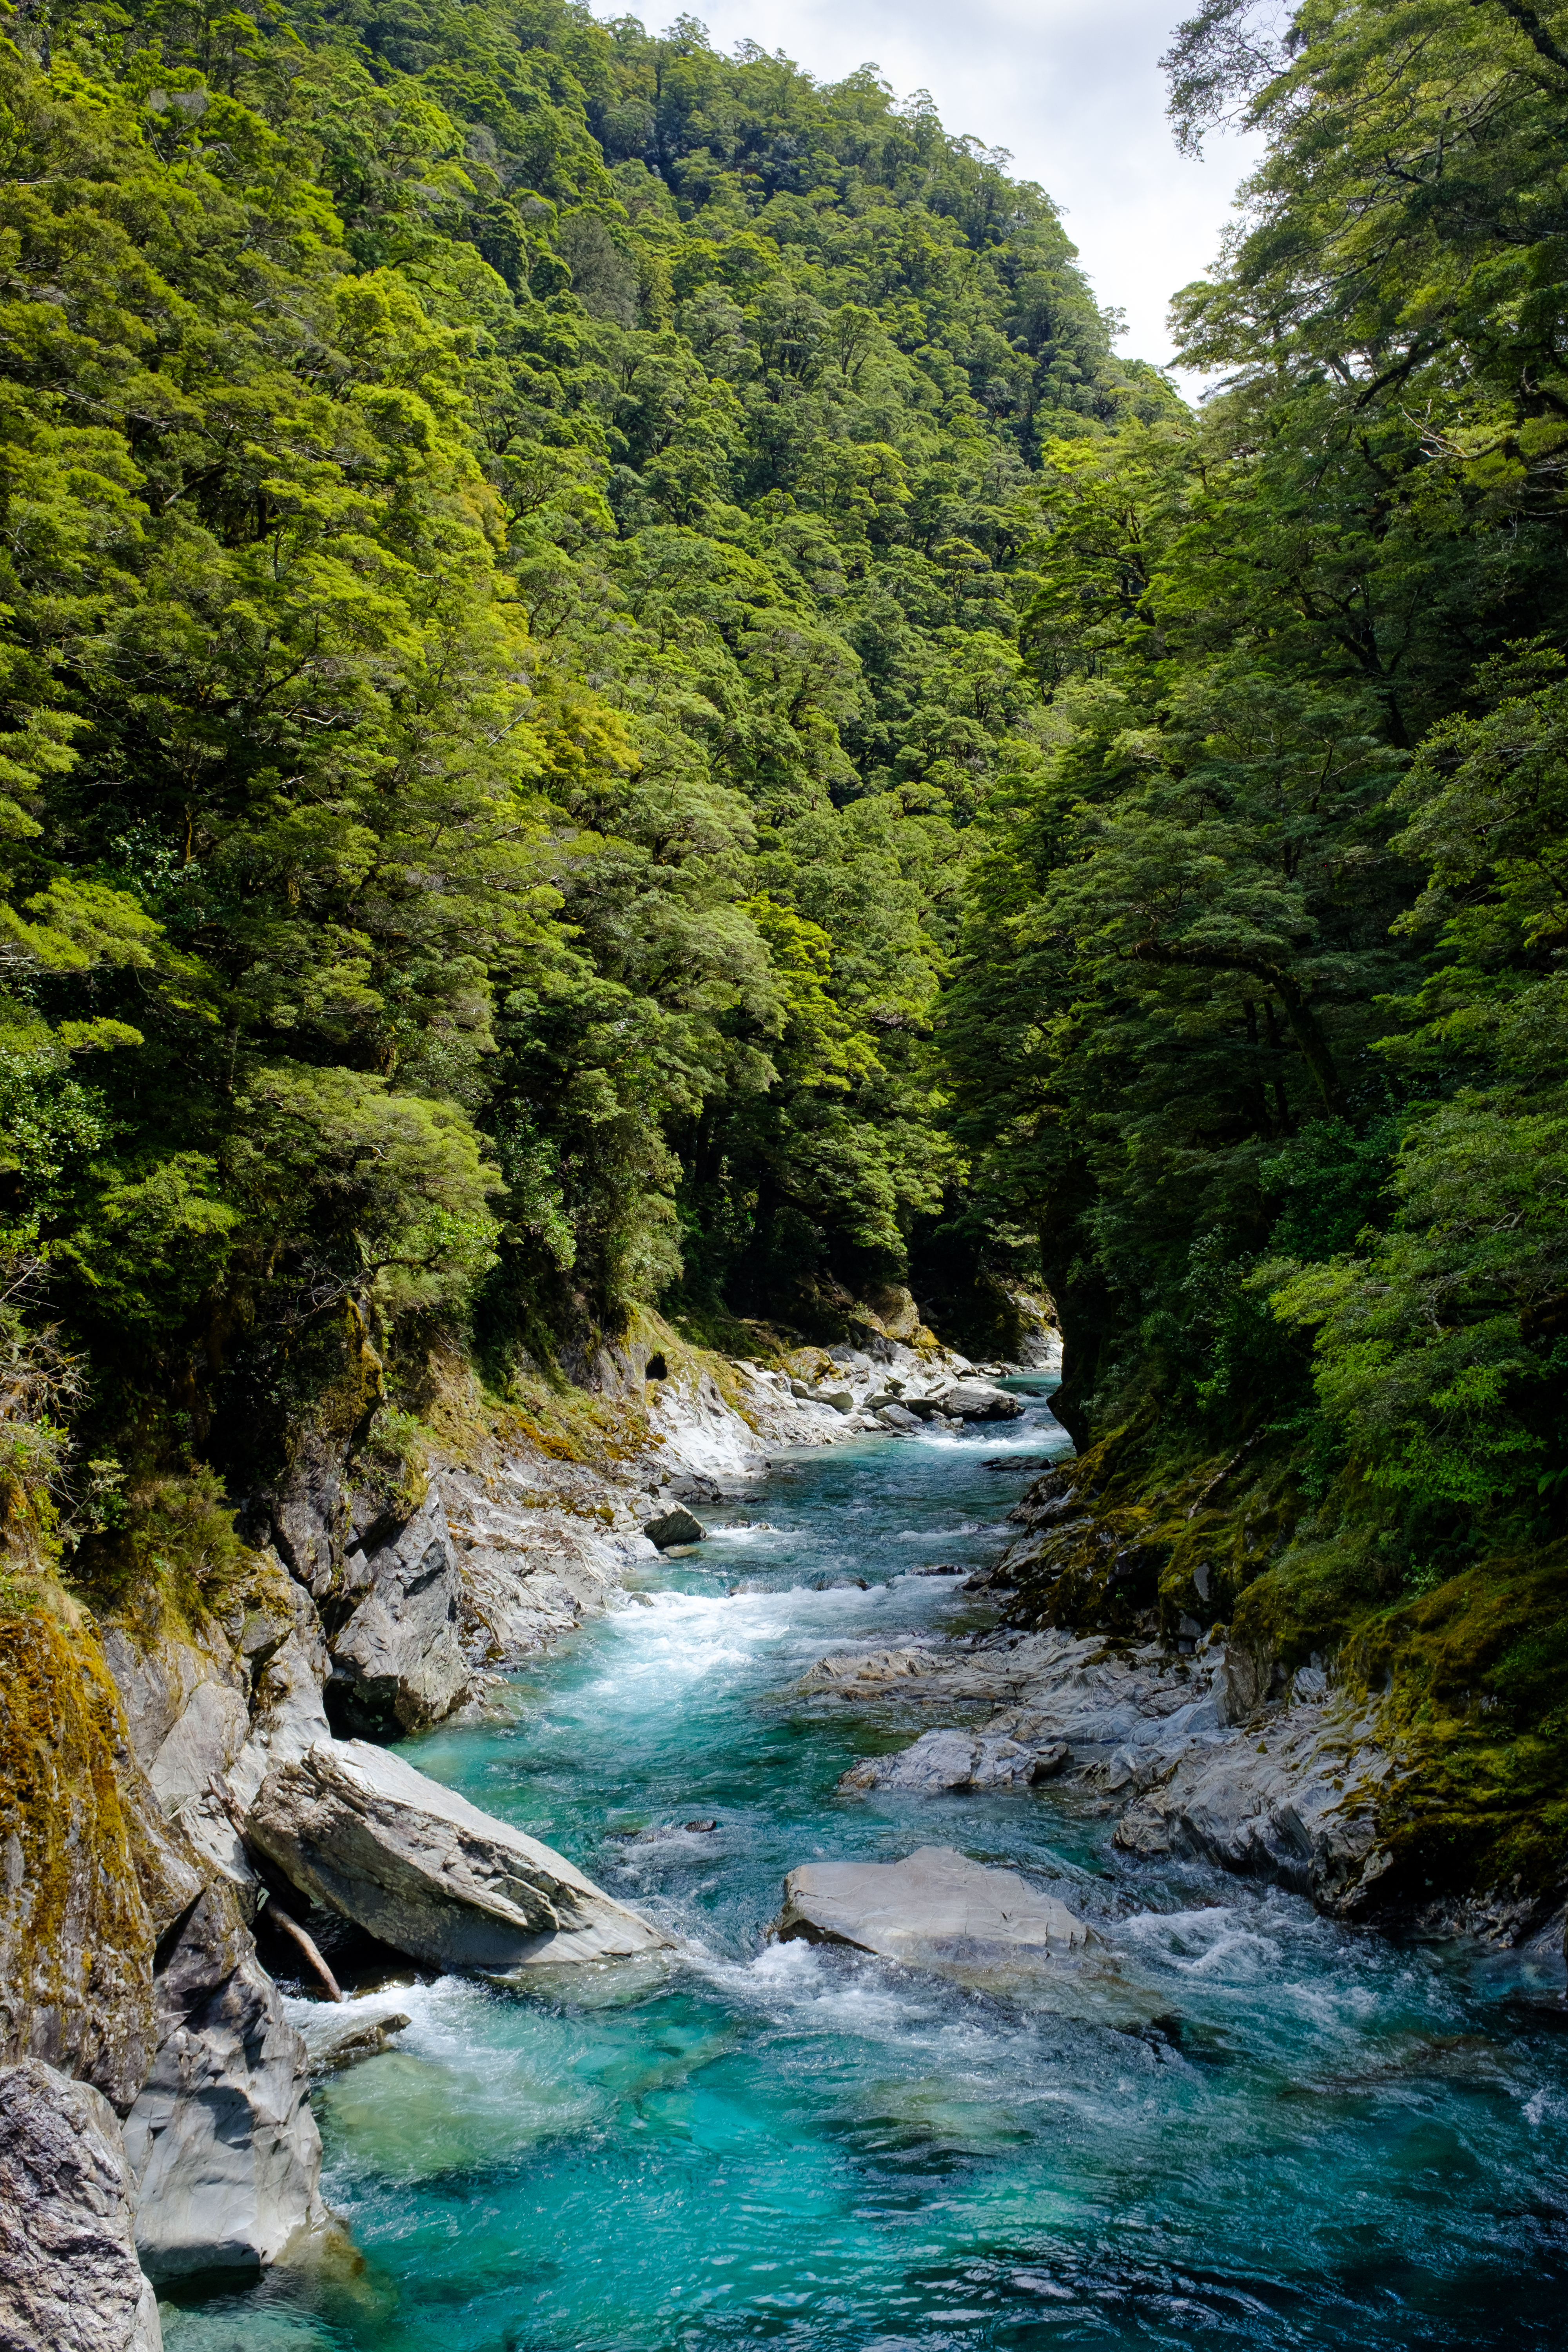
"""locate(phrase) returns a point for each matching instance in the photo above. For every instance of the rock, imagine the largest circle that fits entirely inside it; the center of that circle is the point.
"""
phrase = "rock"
(1293, 1799)
(399, 1654)
(207, 1738)
(92, 1875)
(359, 1829)
(677, 1527)
(341, 2040)
(937, 1910)
(922, 1408)
(978, 1401)
(839, 1399)
(221, 2140)
(940, 1761)
(893, 1416)
(290, 1716)
(70, 2281)
(703, 1826)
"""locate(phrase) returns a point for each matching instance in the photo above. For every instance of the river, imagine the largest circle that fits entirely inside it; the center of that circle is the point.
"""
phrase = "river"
(1318, 2138)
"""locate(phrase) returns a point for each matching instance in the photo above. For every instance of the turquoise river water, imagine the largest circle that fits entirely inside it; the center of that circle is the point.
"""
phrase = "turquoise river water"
(1314, 2138)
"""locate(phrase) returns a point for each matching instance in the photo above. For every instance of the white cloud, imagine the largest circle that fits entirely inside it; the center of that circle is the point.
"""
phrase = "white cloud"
(1072, 86)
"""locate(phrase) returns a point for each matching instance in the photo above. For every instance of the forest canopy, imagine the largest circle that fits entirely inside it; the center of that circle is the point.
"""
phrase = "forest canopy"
(614, 698)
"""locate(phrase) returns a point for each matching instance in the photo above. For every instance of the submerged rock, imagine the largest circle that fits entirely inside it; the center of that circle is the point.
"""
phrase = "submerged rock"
(941, 1761)
(936, 1910)
(416, 1865)
(69, 2279)
(677, 1527)
(343, 2039)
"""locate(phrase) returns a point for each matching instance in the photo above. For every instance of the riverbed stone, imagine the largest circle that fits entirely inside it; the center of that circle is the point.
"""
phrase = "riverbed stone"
(898, 1417)
(941, 1763)
(936, 1910)
(358, 1829)
(978, 1401)
(69, 2279)
(675, 1526)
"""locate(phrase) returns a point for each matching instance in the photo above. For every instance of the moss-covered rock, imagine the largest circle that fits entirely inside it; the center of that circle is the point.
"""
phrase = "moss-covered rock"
(91, 1877)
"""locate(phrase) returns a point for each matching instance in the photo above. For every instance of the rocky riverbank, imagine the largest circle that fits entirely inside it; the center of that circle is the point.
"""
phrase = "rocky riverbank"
(152, 1743)
(1205, 1746)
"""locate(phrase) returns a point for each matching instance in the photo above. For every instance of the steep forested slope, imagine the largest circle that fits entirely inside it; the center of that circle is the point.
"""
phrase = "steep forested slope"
(513, 549)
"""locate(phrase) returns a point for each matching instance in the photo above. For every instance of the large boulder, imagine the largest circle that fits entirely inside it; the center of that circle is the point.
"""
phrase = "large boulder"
(679, 1526)
(936, 1910)
(398, 1658)
(942, 1762)
(69, 2279)
(356, 1828)
(221, 2139)
(978, 1401)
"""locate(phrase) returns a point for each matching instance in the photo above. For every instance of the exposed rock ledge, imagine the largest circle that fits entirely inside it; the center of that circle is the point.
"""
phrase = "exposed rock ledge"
(361, 1831)
(1287, 1790)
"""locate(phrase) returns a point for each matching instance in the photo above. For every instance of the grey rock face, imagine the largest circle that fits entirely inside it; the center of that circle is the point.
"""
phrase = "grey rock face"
(399, 1652)
(1293, 1800)
(943, 1761)
(937, 1910)
(223, 2144)
(677, 1527)
(978, 1401)
(361, 1831)
(207, 1738)
(69, 2279)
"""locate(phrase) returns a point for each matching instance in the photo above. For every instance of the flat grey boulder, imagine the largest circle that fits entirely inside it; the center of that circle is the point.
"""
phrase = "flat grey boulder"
(936, 1910)
(356, 1828)
(941, 1763)
(69, 2279)
(978, 1401)
(677, 1527)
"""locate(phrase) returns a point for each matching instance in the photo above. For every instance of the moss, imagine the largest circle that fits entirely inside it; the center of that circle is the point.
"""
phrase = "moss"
(76, 1933)
(1474, 1685)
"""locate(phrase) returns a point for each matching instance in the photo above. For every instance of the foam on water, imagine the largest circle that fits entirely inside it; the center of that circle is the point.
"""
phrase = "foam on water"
(1308, 2137)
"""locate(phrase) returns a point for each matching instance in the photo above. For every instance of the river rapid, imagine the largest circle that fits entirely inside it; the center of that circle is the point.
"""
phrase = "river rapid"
(1310, 2137)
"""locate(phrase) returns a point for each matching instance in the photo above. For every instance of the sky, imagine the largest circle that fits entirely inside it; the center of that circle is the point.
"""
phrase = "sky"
(1071, 87)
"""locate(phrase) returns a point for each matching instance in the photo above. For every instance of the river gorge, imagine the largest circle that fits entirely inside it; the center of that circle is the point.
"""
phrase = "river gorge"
(1281, 2131)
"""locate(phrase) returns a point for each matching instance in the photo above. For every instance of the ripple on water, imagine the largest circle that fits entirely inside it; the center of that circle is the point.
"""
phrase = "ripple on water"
(1307, 2138)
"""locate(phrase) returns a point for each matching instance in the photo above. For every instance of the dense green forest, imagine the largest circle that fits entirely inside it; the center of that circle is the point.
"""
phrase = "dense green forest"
(614, 698)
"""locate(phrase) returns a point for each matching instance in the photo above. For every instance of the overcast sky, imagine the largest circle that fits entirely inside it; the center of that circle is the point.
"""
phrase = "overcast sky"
(1072, 86)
